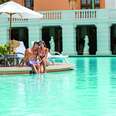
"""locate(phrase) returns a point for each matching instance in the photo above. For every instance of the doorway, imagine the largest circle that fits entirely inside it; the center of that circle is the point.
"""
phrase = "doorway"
(113, 39)
(20, 34)
(52, 36)
(83, 32)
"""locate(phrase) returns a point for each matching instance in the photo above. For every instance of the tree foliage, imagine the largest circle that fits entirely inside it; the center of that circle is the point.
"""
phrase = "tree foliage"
(2, 1)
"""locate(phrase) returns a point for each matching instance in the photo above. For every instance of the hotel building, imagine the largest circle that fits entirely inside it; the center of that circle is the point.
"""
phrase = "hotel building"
(69, 23)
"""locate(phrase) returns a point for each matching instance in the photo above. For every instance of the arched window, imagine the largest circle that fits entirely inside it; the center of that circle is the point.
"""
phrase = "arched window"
(72, 4)
(86, 4)
(29, 4)
(90, 4)
(97, 4)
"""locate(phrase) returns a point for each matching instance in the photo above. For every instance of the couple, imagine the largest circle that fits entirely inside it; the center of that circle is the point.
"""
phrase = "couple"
(36, 57)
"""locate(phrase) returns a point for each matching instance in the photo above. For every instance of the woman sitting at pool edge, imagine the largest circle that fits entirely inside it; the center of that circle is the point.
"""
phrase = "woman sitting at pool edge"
(42, 56)
(30, 57)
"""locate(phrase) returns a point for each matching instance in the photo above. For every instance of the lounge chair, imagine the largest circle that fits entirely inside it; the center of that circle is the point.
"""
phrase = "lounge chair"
(56, 57)
(2, 60)
(20, 51)
(15, 59)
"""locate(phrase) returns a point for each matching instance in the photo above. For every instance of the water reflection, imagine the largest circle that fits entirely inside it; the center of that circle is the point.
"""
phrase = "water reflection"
(87, 70)
(97, 85)
(89, 90)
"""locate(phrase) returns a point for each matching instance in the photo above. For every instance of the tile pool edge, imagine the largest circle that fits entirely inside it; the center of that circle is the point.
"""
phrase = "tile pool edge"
(92, 55)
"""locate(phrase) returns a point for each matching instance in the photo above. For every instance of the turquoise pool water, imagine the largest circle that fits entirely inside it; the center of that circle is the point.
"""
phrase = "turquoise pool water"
(89, 90)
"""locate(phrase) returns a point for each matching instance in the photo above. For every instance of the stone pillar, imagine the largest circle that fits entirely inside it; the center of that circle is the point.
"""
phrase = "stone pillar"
(4, 35)
(69, 39)
(34, 34)
(40, 33)
(103, 39)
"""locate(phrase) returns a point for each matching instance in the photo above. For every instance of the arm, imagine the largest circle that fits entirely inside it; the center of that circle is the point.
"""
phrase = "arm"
(45, 57)
(46, 54)
(26, 57)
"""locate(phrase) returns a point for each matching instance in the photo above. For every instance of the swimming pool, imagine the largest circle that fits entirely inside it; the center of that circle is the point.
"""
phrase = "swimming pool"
(89, 90)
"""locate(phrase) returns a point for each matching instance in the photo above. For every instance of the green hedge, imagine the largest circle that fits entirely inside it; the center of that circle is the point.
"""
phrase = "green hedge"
(4, 49)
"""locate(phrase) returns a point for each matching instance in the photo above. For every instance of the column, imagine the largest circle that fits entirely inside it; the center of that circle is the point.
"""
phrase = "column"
(69, 39)
(34, 34)
(4, 35)
(103, 39)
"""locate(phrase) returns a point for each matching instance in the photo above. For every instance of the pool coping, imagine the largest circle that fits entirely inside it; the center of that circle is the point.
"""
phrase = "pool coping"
(92, 55)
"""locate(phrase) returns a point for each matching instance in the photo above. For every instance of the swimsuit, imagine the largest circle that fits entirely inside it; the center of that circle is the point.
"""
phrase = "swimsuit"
(42, 53)
(32, 62)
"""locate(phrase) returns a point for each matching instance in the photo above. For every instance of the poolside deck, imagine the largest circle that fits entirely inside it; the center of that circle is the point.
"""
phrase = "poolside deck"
(28, 70)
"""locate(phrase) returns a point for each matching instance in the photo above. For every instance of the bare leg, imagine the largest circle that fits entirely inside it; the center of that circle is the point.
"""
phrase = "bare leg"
(35, 69)
(41, 68)
(38, 68)
(44, 66)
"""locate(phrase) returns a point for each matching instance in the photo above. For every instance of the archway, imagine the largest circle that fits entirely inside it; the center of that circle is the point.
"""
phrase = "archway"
(55, 33)
(91, 32)
(113, 39)
(20, 34)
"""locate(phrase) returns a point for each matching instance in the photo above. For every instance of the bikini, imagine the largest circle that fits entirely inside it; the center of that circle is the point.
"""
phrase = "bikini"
(32, 61)
(42, 53)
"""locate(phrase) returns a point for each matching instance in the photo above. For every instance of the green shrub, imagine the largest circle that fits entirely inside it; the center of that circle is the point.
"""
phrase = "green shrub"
(4, 49)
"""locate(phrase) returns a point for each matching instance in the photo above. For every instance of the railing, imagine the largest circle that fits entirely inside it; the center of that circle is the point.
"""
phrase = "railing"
(85, 14)
(74, 14)
(18, 20)
(52, 15)
(77, 14)
(71, 15)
